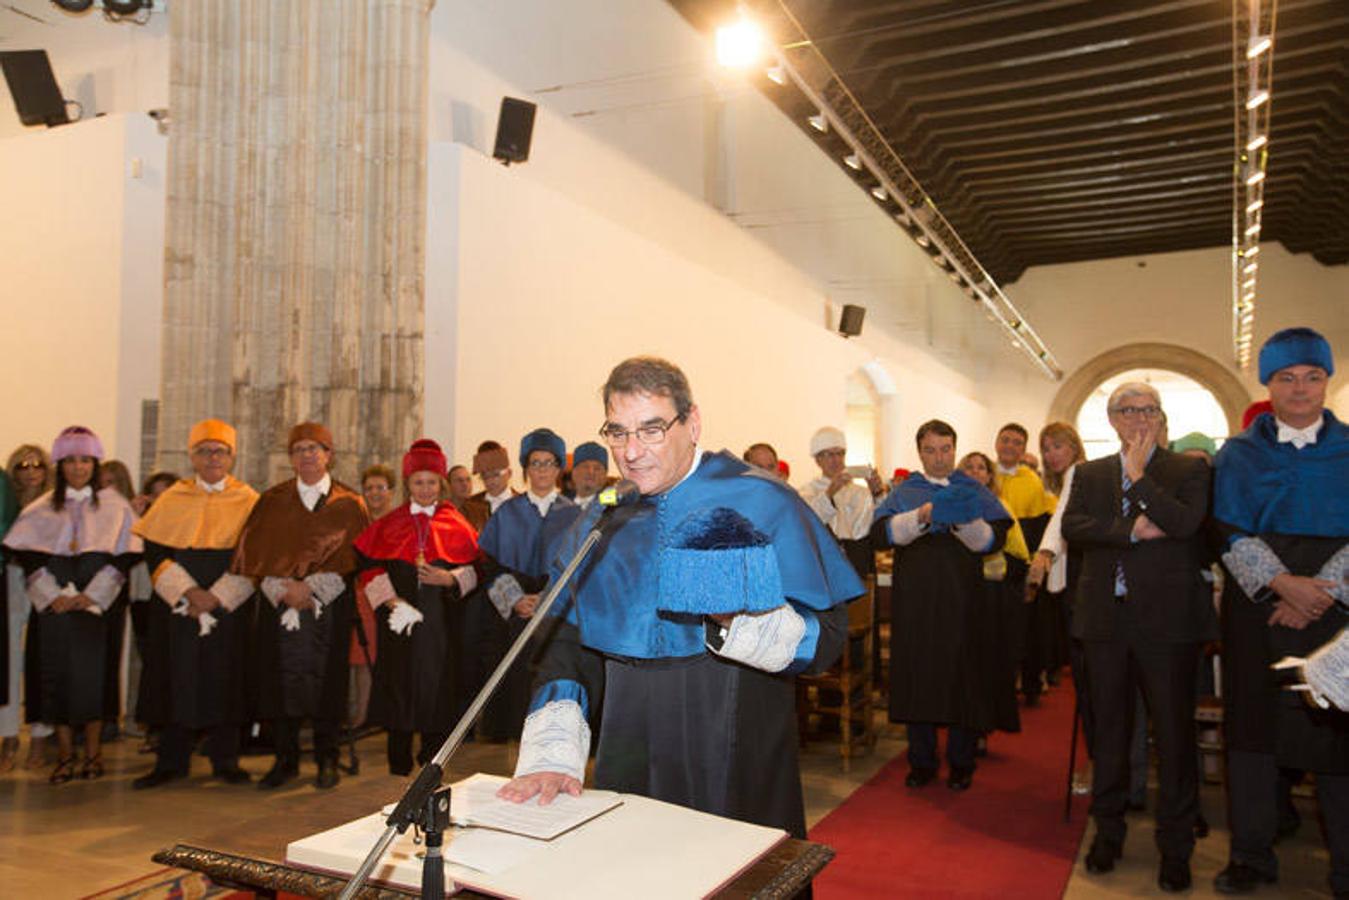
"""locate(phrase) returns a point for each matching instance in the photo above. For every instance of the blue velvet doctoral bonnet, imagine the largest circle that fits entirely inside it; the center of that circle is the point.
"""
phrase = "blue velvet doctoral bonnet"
(963, 500)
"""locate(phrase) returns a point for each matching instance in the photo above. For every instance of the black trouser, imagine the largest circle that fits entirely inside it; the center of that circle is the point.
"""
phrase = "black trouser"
(400, 749)
(960, 744)
(1166, 673)
(175, 748)
(286, 736)
(1253, 796)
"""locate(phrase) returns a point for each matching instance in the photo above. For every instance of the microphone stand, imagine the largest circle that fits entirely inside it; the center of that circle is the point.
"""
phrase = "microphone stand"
(425, 803)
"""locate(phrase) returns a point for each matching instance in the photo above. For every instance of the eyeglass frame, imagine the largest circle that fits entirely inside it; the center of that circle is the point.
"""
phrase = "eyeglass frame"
(617, 438)
(1132, 412)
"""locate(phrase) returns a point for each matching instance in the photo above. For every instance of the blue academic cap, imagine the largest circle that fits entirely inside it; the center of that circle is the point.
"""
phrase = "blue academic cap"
(715, 563)
(543, 439)
(1295, 347)
(590, 451)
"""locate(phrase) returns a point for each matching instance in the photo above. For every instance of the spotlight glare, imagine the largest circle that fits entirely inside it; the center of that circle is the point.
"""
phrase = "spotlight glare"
(1256, 99)
(853, 161)
(739, 44)
(819, 122)
(777, 75)
(1259, 44)
(1257, 142)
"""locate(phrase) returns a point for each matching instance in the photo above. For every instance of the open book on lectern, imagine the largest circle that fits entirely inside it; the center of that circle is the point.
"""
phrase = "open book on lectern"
(601, 844)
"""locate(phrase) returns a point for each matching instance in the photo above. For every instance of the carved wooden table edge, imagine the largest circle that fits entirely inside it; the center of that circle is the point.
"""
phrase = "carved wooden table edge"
(258, 875)
(796, 875)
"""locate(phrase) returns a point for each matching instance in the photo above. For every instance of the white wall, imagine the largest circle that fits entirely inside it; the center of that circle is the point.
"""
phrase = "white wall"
(109, 67)
(1084, 309)
(83, 233)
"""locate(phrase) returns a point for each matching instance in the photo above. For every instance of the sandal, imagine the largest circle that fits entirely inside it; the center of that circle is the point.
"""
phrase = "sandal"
(9, 752)
(64, 771)
(93, 768)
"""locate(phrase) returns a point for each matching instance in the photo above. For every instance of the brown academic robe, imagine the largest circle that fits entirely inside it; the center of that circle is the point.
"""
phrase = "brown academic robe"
(302, 673)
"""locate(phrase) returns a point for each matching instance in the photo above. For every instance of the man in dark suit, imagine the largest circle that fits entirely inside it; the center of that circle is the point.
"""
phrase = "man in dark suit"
(1142, 613)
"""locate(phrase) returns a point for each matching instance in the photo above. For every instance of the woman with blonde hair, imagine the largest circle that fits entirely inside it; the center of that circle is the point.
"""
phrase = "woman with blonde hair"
(30, 475)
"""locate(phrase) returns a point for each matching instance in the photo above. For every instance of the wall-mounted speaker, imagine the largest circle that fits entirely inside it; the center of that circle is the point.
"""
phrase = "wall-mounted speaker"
(515, 127)
(37, 98)
(850, 320)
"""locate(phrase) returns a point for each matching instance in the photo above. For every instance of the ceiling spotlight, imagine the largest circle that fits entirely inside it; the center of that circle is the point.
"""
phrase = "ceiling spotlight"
(923, 240)
(1255, 205)
(853, 161)
(1255, 177)
(1259, 44)
(1250, 268)
(740, 44)
(1252, 250)
(1257, 142)
(879, 193)
(819, 122)
(1249, 284)
(1253, 229)
(1256, 99)
(777, 74)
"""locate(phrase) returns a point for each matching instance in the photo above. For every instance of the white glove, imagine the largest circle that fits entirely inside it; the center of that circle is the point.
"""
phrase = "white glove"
(403, 617)
(205, 622)
(290, 619)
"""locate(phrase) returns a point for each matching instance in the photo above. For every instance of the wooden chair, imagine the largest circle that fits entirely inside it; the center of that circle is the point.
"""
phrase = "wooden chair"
(845, 691)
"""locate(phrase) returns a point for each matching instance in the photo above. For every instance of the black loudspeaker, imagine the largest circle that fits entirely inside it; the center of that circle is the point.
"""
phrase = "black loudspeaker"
(515, 126)
(850, 321)
(33, 86)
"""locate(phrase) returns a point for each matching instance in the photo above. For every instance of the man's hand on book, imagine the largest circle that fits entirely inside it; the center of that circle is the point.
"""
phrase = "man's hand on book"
(544, 785)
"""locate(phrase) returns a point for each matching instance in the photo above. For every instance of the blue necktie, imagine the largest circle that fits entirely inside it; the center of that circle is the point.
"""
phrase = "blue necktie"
(1120, 588)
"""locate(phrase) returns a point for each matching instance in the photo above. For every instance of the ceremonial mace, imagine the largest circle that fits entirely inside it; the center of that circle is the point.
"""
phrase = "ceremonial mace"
(425, 803)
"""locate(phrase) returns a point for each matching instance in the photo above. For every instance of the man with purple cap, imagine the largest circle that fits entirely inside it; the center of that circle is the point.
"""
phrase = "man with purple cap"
(1281, 501)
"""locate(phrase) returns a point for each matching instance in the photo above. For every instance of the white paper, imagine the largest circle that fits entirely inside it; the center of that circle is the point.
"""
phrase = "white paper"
(474, 801)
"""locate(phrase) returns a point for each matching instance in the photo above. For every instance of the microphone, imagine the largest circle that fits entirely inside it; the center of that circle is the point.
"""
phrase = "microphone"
(624, 493)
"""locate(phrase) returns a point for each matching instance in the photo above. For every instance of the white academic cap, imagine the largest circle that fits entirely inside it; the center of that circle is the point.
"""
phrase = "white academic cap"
(827, 438)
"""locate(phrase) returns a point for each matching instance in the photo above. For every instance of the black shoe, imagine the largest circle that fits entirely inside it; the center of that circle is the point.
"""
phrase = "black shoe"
(1239, 878)
(1201, 828)
(232, 774)
(1174, 875)
(1102, 856)
(919, 777)
(1032, 700)
(155, 778)
(981, 746)
(959, 779)
(281, 772)
(328, 777)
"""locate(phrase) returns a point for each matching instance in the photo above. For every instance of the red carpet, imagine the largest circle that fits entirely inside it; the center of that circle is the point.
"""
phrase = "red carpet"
(1004, 837)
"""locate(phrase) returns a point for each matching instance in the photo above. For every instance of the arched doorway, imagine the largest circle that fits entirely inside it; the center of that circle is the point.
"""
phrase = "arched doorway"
(1230, 394)
(1189, 405)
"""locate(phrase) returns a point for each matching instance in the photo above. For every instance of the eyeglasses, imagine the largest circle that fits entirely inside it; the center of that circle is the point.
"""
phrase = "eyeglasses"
(31, 464)
(211, 452)
(648, 433)
(1133, 412)
(543, 464)
(307, 449)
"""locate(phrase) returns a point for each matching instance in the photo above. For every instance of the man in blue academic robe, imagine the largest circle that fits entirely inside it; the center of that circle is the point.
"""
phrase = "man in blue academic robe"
(1281, 501)
(698, 707)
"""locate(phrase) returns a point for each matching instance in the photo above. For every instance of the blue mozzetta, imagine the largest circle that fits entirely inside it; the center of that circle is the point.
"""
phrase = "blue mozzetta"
(1264, 487)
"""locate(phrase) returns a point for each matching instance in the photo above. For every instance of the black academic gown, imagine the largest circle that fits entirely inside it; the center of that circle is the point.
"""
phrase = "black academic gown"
(195, 682)
(414, 682)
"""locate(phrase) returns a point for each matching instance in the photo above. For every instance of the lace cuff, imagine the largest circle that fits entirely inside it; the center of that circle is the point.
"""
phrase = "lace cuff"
(905, 528)
(1336, 569)
(273, 587)
(1253, 565)
(379, 590)
(103, 587)
(556, 738)
(42, 589)
(171, 582)
(766, 641)
(326, 586)
(504, 593)
(977, 535)
(232, 590)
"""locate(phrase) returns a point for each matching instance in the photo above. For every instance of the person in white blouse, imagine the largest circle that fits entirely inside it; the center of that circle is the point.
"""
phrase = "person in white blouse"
(841, 501)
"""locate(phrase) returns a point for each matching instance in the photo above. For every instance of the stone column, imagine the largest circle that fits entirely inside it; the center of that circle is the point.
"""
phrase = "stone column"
(296, 226)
